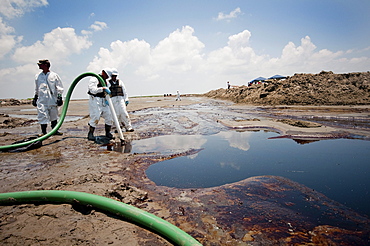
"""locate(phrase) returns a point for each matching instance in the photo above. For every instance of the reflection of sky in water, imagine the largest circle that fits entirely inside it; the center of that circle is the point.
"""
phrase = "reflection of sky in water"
(237, 140)
(169, 144)
(181, 143)
(337, 168)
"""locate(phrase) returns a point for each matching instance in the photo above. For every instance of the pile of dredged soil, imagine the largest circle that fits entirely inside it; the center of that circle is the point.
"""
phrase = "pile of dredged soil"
(14, 102)
(325, 88)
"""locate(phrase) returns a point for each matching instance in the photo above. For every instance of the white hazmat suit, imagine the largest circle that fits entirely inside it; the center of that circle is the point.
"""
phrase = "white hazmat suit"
(48, 87)
(120, 100)
(98, 106)
(178, 96)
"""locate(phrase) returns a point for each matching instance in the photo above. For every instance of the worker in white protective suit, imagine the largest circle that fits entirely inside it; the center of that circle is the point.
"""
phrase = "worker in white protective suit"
(98, 106)
(120, 100)
(48, 96)
(178, 96)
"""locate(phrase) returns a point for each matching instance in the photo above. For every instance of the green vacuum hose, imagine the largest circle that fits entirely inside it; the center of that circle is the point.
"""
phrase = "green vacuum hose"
(62, 115)
(160, 226)
(134, 214)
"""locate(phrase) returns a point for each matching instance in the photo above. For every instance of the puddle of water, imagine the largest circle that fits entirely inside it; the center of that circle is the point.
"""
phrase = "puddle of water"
(168, 144)
(29, 110)
(337, 168)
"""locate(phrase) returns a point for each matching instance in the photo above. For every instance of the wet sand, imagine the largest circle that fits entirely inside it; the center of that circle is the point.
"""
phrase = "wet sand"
(258, 210)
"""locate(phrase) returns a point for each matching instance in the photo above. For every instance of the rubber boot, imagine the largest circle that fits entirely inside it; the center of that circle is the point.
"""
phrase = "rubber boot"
(53, 124)
(43, 128)
(107, 131)
(90, 135)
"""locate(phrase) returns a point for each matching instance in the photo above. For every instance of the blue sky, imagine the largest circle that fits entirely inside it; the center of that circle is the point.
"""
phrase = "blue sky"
(160, 46)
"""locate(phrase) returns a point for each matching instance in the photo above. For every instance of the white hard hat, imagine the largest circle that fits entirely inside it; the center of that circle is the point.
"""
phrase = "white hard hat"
(114, 71)
(108, 71)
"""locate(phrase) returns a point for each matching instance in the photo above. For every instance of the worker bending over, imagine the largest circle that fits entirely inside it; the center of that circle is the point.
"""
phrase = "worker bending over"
(98, 106)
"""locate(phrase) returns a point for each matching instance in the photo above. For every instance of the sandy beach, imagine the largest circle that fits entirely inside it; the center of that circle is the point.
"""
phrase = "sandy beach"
(71, 162)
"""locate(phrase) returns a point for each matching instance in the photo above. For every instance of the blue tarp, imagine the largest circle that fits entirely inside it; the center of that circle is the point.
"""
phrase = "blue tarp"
(258, 79)
(277, 77)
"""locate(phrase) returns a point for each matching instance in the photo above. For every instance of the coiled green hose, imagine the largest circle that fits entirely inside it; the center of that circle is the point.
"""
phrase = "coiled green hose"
(160, 226)
(62, 115)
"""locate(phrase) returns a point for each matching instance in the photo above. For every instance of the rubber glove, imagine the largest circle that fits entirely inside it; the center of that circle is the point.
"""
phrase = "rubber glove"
(107, 91)
(59, 100)
(34, 101)
(127, 102)
(106, 102)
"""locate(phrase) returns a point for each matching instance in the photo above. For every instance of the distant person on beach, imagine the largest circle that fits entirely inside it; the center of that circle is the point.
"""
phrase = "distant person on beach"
(228, 85)
(178, 96)
(48, 96)
(98, 106)
(120, 100)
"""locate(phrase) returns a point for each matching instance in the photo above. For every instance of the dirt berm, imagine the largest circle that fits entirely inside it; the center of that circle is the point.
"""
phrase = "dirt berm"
(325, 88)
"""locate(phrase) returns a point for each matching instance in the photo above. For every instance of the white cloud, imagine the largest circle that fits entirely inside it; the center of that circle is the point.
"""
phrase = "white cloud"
(178, 62)
(57, 45)
(135, 52)
(179, 52)
(240, 39)
(306, 58)
(238, 57)
(16, 8)
(7, 44)
(177, 59)
(4, 28)
(292, 54)
(96, 27)
(22, 77)
(7, 39)
(233, 14)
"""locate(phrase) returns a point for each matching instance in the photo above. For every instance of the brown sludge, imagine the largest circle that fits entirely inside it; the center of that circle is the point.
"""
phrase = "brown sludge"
(264, 210)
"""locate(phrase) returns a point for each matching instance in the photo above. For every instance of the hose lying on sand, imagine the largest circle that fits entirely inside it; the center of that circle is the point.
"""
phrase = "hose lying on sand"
(61, 118)
(150, 221)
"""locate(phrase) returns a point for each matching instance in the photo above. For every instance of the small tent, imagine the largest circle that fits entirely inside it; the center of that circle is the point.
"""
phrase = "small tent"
(257, 80)
(277, 77)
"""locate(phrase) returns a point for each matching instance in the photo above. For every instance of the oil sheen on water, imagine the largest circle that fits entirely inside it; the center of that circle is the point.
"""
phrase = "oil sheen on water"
(338, 168)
